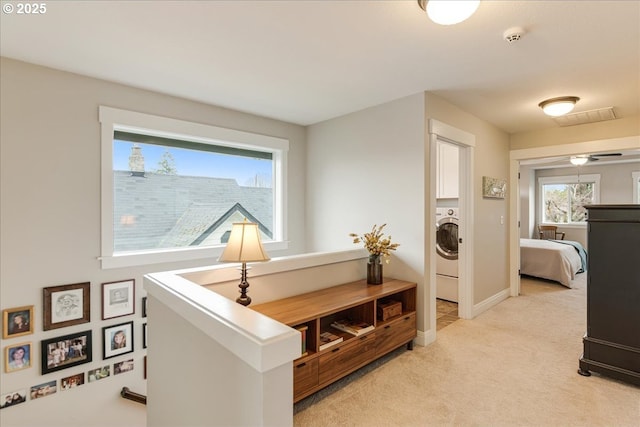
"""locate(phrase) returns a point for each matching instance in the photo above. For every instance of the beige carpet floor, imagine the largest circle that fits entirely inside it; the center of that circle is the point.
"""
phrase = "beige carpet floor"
(514, 365)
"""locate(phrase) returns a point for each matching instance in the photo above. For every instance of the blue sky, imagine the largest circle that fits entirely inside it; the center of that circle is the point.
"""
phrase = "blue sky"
(195, 163)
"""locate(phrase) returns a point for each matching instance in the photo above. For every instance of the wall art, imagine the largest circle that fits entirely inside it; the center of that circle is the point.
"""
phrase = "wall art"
(66, 351)
(13, 398)
(493, 187)
(17, 357)
(99, 373)
(118, 299)
(44, 389)
(17, 321)
(66, 305)
(117, 340)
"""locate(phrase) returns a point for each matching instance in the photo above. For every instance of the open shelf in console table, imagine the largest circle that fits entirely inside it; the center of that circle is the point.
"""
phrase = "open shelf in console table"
(313, 313)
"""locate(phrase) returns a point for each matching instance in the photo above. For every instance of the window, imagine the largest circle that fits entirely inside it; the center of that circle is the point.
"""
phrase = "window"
(562, 198)
(636, 187)
(171, 189)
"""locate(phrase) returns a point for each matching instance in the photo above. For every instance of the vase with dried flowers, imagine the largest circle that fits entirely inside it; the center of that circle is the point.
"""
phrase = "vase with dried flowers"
(379, 247)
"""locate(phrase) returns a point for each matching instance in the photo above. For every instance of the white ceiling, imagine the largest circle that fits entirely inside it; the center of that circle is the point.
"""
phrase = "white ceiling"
(308, 61)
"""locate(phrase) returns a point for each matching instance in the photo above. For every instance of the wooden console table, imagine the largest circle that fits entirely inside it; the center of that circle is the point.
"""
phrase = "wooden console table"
(312, 313)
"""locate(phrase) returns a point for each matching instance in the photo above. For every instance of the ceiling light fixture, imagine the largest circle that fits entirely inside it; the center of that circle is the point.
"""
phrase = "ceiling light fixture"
(579, 160)
(558, 106)
(447, 12)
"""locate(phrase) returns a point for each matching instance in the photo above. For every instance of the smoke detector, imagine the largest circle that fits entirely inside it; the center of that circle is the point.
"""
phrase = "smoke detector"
(513, 34)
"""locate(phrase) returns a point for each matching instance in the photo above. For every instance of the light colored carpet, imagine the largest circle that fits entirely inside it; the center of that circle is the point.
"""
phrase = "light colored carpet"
(514, 365)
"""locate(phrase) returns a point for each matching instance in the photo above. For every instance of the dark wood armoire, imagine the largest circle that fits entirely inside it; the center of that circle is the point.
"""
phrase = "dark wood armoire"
(612, 340)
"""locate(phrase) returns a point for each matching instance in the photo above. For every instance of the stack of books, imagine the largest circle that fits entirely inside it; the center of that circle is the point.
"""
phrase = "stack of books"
(327, 339)
(303, 335)
(354, 327)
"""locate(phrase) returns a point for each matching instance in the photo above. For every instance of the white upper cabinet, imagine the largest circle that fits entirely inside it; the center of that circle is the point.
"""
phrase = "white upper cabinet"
(447, 167)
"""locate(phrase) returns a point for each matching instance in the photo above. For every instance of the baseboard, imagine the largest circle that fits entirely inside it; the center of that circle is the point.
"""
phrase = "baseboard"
(490, 302)
(425, 338)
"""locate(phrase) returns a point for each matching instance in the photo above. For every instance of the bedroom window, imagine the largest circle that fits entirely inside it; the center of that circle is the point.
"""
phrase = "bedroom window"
(172, 189)
(562, 198)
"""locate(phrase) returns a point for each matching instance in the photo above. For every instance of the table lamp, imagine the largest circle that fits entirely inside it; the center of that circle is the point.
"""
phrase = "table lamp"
(244, 246)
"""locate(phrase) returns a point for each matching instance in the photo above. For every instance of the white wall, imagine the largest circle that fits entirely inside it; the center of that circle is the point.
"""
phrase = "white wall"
(367, 168)
(490, 245)
(371, 167)
(50, 223)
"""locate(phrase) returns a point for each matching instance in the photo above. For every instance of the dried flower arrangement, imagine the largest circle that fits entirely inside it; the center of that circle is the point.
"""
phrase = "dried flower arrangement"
(376, 243)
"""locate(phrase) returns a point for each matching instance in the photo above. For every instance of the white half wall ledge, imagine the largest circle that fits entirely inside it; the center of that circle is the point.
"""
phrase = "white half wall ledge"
(258, 340)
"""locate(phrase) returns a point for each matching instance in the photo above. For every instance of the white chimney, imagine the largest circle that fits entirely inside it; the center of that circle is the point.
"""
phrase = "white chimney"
(136, 161)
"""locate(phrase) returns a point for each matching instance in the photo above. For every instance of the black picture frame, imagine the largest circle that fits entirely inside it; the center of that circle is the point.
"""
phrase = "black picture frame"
(113, 346)
(66, 351)
(144, 335)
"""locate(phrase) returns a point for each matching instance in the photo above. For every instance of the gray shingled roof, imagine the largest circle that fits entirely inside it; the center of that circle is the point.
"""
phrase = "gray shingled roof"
(174, 211)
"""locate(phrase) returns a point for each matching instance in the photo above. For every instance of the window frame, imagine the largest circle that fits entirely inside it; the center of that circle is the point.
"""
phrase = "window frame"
(112, 119)
(567, 179)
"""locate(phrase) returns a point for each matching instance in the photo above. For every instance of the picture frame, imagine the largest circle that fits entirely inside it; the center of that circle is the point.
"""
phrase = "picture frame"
(99, 373)
(144, 306)
(118, 299)
(122, 367)
(117, 340)
(72, 381)
(17, 321)
(13, 398)
(494, 188)
(44, 389)
(66, 351)
(144, 335)
(17, 357)
(66, 305)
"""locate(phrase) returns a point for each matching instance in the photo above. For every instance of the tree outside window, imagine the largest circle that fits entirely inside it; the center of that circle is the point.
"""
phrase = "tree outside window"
(563, 198)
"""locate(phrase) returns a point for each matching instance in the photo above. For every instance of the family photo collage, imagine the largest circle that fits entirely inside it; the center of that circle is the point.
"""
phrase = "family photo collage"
(65, 306)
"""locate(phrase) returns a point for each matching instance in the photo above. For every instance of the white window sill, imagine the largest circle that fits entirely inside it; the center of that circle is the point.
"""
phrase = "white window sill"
(138, 258)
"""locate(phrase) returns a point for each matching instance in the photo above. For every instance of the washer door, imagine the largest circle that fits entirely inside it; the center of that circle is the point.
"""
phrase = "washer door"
(447, 238)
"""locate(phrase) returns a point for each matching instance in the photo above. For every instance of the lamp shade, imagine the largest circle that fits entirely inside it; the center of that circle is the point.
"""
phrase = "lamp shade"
(558, 106)
(447, 12)
(244, 244)
(578, 160)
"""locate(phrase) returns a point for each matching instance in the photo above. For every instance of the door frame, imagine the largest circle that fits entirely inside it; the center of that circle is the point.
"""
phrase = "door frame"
(515, 156)
(466, 144)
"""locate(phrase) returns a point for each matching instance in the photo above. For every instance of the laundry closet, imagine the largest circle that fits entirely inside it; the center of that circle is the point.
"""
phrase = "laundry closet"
(447, 215)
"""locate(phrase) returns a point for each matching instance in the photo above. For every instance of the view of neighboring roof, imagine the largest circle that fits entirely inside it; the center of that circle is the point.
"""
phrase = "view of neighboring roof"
(160, 211)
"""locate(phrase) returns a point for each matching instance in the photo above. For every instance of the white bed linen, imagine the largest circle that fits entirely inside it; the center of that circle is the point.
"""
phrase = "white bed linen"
(549, 260)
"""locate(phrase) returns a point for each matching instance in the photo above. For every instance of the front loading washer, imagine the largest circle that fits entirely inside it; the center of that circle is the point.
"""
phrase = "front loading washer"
(447, 254)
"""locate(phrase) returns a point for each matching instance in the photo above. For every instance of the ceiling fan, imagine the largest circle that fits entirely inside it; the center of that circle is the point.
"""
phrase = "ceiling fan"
(594, 157)
(582, 159)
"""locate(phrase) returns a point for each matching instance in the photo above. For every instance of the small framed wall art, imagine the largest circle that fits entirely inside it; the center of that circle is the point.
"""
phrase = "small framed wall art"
(17, 321)
(118, 299)
(66, 305)
(493, 188)
(66, 351)
(144, 306)
(144, 335)
(117, 340)
(13, 398)
(17, 357)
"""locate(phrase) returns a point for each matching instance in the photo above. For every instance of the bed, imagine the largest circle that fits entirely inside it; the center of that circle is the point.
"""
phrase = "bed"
(558, 260)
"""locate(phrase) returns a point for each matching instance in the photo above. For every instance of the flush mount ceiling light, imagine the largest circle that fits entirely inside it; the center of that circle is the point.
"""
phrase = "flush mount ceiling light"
(579, 160)
(558, 106)
(448, 12)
